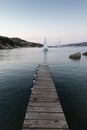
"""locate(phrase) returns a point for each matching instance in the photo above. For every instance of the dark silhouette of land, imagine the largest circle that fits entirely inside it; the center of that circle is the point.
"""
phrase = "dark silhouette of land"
(75, 44)
(10, 43)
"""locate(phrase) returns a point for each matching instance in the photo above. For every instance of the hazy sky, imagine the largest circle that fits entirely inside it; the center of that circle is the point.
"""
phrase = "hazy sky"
(35, 19)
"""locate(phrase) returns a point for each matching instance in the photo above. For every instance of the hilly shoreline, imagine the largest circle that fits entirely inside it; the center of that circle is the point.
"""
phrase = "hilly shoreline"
(75, 44)
(10, 43)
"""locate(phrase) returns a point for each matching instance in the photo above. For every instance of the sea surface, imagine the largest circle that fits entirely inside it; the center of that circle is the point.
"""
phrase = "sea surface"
(17, 68)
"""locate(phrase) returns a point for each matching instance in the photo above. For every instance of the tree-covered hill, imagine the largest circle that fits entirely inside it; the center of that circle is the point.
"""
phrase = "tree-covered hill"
(10, 43)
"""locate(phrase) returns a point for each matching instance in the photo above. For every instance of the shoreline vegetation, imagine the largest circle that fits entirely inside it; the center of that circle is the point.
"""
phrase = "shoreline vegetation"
(11, 43)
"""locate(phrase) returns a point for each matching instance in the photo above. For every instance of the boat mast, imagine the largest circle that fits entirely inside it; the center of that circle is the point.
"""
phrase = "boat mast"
(59, 42)
(45, 41)
(45, 44)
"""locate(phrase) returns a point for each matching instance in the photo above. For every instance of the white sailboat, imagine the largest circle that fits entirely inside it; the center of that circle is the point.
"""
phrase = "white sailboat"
(45, 45)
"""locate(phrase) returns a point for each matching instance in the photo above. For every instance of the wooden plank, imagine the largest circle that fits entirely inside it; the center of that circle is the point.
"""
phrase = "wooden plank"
(42, 104)
(42, 94)
(44, 83)
(45, 89)
(44, 110)
(45, 129)
(45, 124)
(44, 116)
(45, 99)
(43, 78)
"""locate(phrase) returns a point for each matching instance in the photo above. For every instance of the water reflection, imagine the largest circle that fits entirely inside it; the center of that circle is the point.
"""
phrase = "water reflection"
(17, 68)
(4, 55)
(45, 57)
(8, 55)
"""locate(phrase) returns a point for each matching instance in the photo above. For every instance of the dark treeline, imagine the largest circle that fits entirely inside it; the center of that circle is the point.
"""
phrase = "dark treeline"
(10, 43)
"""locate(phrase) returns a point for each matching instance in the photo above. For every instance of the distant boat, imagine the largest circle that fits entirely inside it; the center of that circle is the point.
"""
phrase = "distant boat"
(45, 45)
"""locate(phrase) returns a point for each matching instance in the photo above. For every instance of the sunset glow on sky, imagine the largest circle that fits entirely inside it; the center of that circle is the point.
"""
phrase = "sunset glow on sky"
(34, 19)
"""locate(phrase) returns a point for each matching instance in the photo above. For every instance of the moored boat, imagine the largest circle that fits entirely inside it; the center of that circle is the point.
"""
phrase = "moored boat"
(45, 45)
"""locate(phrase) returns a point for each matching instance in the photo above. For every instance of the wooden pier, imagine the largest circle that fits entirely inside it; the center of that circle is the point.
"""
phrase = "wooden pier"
(44, 111)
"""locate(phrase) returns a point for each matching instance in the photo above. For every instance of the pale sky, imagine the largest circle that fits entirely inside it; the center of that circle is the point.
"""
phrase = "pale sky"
(33, 20)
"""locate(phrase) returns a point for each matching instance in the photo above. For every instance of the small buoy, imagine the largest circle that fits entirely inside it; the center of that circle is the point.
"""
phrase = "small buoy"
(33, 81)
(34, 75)
(31, 89)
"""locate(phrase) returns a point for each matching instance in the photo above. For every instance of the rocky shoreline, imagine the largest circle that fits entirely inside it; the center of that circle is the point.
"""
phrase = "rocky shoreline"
(10, 43)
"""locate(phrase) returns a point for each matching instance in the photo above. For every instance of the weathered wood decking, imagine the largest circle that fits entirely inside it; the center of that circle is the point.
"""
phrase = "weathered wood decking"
(44, 111)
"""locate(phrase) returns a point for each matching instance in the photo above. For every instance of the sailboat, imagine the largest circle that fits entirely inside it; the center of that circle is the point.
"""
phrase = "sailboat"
(45, 45)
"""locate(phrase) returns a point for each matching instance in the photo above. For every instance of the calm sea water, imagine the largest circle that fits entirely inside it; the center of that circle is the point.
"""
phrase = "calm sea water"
(17, 68)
